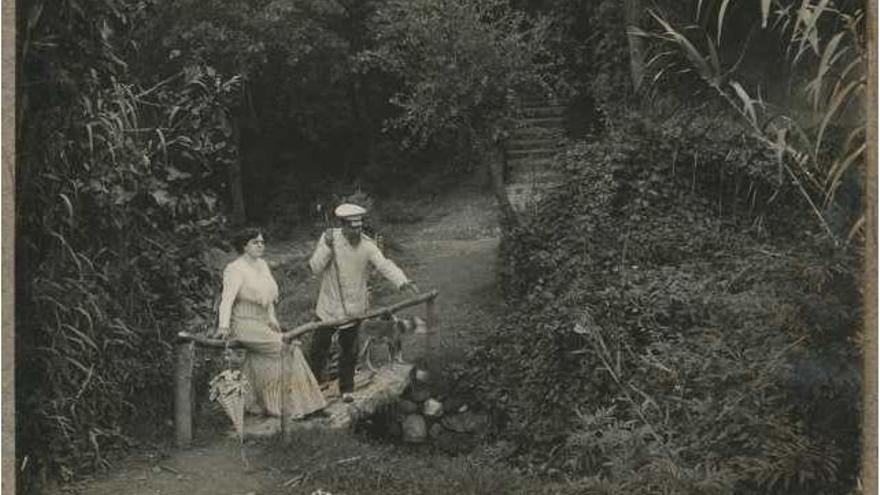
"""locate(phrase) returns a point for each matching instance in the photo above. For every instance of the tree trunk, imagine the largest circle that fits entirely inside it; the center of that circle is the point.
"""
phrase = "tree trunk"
(494, 157)
(633, 10)
(236, 187)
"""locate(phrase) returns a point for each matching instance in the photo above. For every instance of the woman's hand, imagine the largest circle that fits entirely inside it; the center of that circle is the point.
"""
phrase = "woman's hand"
(274, 325)
(410, 287)
(221, 333)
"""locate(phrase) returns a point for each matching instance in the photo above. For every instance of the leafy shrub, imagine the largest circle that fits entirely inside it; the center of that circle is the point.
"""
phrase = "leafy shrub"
(117, 191)
(662, 336)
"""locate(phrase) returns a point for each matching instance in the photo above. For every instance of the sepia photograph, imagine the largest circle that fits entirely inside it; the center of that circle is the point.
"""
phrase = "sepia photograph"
(460, 247)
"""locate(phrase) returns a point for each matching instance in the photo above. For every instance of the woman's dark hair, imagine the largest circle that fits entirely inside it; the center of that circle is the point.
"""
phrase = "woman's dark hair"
(243, 236)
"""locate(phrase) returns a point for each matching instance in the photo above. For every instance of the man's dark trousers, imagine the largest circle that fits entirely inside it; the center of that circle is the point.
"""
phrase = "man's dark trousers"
(348, 346)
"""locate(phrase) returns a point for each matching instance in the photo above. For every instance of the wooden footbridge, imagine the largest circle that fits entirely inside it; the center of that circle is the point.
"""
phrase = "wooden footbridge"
(372, 389)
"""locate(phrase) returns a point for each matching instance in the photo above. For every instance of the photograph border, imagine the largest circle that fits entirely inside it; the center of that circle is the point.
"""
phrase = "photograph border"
(869, 468)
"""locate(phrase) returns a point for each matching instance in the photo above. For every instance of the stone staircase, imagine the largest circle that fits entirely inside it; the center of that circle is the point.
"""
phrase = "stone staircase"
(534, 141)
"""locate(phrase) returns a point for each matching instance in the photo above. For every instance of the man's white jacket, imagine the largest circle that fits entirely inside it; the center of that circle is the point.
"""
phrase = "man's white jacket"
(354, 264)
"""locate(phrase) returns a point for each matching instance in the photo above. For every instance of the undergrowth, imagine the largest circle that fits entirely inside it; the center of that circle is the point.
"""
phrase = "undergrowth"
(675, 325)
(338, 462)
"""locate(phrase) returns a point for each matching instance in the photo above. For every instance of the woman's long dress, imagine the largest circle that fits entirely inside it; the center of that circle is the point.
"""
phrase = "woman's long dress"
(249, 293)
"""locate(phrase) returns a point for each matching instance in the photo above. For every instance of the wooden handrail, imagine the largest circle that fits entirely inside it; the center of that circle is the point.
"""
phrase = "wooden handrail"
(308, 327)
(289, 335)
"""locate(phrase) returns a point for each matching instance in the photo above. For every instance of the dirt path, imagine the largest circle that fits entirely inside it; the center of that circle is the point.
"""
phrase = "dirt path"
(452, 250)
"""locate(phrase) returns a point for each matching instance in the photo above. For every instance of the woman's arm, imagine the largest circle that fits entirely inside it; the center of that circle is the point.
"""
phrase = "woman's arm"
(273, 320)
(232, 281)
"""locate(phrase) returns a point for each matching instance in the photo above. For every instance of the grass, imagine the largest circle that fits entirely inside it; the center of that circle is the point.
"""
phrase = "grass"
(341, 463)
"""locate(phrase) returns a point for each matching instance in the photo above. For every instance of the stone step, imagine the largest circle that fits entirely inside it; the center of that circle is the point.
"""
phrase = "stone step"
(525, 196)
(526, 132)
(530, 162)
(544, 111)
(554, 122)
(532, 153)
(536, 177)
(540, 101)
(533, 142)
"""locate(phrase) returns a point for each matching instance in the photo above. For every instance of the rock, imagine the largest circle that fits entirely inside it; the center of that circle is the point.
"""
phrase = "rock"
(436, 431)
(422, 376)
(466, 422)
(451, 442)
(414, 429)
(419, 394)
(452, 403)
(394, 429)
(407, 406)
(433, 408)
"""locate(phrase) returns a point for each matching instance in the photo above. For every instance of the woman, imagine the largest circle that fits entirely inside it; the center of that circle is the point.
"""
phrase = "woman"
(247, 314)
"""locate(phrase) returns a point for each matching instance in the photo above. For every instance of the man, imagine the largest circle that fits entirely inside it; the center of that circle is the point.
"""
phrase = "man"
(343, 257)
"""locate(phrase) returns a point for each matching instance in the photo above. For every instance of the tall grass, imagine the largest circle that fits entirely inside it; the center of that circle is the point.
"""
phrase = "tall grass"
(817, 129)
(117, 180)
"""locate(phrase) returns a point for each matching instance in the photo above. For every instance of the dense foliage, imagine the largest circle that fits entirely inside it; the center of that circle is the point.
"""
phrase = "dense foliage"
(144, 125)
(678, 325)
(796, 73)
(340, 95)
(117, 196)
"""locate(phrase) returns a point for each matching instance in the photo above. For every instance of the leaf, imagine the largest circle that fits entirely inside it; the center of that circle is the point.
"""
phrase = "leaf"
(690, 50)
(765, 13)
(748, 103)
(824, 65)
(839, 168)
(69, 205)
(175, 174)
(721, 12)
(162, 197)
(838, 100)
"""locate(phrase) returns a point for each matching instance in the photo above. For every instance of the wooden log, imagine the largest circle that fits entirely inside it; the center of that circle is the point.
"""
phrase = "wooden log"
(431, 314)
(183, 396)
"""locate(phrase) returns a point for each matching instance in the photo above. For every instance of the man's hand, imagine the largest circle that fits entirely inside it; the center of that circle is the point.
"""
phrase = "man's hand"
(410, 287)
(221, 333)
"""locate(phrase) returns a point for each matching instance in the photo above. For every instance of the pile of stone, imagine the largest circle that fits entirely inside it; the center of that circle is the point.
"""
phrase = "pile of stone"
(446, 423)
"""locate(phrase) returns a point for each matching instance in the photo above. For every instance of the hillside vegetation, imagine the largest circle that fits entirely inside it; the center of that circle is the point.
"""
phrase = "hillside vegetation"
(677, 323)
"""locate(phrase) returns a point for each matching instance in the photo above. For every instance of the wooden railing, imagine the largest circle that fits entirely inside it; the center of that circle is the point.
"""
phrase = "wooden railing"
(186, 342)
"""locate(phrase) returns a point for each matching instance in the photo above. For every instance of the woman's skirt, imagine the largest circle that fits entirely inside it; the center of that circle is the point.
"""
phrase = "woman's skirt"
(277, 383)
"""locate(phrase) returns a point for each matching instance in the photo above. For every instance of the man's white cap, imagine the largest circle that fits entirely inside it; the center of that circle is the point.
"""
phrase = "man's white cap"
(350, 212)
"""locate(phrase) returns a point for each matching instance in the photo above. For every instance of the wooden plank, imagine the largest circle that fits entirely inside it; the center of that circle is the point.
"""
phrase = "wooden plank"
(383, 388)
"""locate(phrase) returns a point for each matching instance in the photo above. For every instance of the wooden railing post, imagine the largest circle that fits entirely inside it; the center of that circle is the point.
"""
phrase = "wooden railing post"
(285, 395)
(431, 313)
(183, 393)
